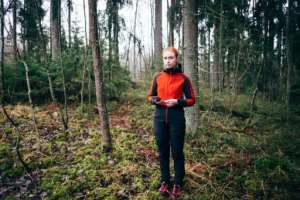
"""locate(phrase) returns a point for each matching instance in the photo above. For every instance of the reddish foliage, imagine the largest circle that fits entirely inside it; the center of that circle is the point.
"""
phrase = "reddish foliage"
(148, 153)
(51, 107)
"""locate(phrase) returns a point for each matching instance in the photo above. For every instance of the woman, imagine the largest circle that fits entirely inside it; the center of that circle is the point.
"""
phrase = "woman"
(171, 90)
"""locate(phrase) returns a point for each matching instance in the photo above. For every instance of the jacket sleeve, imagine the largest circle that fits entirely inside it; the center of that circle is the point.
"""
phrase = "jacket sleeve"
(152, 93)
(189, 94)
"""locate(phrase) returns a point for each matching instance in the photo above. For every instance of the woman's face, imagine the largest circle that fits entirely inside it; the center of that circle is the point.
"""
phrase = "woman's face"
(170, 60)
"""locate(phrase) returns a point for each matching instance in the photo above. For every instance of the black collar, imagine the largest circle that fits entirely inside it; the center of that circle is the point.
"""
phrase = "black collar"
(174, 70)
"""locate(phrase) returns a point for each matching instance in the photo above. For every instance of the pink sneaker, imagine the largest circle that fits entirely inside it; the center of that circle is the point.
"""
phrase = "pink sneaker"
(176, 192)
(164, 189)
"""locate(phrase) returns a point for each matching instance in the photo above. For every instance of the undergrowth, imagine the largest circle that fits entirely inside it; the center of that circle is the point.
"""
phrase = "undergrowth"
(248, 156)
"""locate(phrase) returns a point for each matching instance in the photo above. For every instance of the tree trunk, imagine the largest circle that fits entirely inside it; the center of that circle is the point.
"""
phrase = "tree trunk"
(214, 73)
(55, 29)
(110, 38)
(127, 63)
(288, 56)
(1, 51)
(116, 30)
(210, 66)
(265, 52)
(55, 25)
(280, 64)
(271, 73)
(171, 19)
(98, 73)
(191, 58)
(32, 105)
(65, 92)
(134, 40)
(84, 68)
(14, 31)
(158, 35)
(220, 59)
(151, 2)
(69, 20)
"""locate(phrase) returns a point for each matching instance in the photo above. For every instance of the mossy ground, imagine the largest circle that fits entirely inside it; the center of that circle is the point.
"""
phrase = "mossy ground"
(230, 157)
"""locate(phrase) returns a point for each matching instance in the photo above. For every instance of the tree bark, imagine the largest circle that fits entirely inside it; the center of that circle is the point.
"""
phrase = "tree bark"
(171, 19)
(116, 30)
(134, 40)
(84, 68)
(158, 35)
(109, 6)
(55, 29)
(98, 73)
(14, 31)
(1, 51)
(151, 2)
(288, 56)
(191, 58)
(55, 25)
(214, 72)
(220, 64)
(209, 65)
(66, 117)
(70, 7)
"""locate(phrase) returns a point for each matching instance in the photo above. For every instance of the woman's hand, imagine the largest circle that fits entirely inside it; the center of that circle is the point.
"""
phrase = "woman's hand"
(170, 102)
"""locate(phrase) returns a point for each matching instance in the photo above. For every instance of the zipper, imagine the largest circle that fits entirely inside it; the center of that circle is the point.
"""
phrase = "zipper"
(171, 76)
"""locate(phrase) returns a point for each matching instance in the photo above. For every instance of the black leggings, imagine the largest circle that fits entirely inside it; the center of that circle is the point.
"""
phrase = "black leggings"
(170, 134)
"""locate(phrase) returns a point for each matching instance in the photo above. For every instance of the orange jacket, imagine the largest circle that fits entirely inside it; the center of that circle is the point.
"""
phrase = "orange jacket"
(172, 84)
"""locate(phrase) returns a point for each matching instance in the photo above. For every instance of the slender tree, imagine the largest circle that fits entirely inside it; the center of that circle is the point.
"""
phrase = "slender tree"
(191, 57)
(112, 11)
(220, 38)
(158, 35)
(216, 65)
(288, 52)
(98, 73)
(84, 67)
(14, 30)
(116, 30)
(151, 2)
(171, 20)
(55, 25)
(1, 50)
(70, 9)
(31, 104)
(134, 39)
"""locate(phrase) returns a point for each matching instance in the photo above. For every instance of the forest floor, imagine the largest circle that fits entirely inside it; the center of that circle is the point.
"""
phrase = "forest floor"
(234, 154)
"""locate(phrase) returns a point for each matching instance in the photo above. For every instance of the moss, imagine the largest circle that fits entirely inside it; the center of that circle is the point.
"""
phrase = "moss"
(254, 158)
(10, 198)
